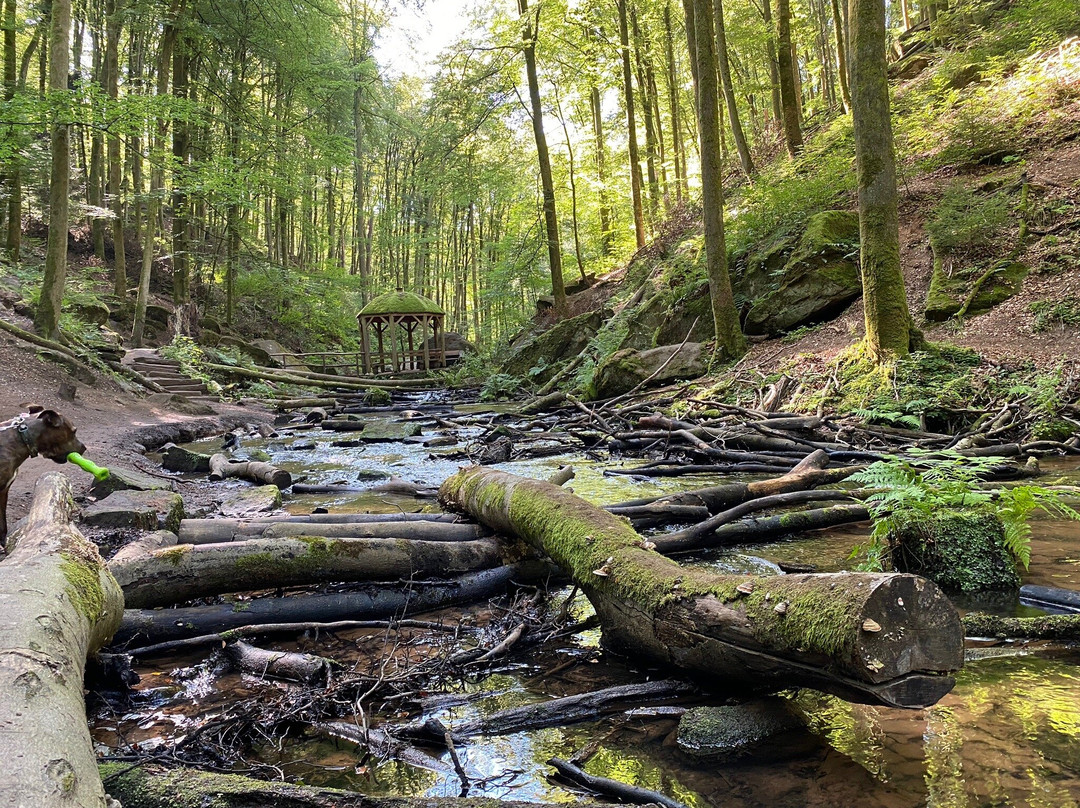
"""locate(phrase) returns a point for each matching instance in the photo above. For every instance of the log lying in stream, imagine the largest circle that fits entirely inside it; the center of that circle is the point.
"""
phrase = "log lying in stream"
(290, 665)
(879, 638)
(222, 467)
(209, 531)
(184, 572)
(160, 625)
(59, 604)
(149, 786)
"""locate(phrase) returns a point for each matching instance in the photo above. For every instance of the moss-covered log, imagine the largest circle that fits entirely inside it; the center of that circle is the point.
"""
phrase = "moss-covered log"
(156, 787)
(210, 531)
(183, 572)
(884, 638)
(59, 603)
(1059, 627)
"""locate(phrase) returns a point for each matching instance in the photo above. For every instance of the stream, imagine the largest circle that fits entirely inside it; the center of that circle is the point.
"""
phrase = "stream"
(1007, 735)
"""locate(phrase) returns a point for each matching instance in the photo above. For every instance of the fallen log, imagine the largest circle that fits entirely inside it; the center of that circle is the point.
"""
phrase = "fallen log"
(221, 637)
(764, 528)
(412, 531)
(209, 531)
(290, 665)
(381, 744)
(184, 572)
(559, 712)
(59, 604)
(1059, 627)
(150, 786)
(147, 543)
(1051, 598)
(254, 471)
(879, 638)
(612, 788)
(160, 625)
(397, 487)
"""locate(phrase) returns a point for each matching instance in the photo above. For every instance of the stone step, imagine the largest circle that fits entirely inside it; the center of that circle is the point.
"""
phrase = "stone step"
(184, 388)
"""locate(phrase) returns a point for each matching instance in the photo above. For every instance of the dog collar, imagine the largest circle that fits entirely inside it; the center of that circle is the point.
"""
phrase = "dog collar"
(24, 435)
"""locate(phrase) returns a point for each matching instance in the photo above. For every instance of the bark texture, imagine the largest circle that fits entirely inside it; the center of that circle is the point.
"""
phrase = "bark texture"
(59, 604)
(254, 471)
(888, 321)
(879, 638)
(176, 574)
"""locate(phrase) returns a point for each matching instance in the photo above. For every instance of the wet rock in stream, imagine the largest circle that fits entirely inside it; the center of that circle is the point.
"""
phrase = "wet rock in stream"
(708, 734)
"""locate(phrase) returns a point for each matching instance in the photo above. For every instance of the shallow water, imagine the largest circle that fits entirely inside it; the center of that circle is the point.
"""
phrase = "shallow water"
(1007, 735)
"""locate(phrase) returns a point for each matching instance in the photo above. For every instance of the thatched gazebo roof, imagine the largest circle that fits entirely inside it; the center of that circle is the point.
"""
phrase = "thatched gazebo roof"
(400, 302)
(400, 322)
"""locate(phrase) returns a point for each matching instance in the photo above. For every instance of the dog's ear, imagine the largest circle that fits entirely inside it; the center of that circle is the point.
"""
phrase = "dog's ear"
(51, 418)
(33, 409)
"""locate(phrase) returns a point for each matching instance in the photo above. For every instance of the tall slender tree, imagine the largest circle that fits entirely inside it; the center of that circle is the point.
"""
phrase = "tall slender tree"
(724, 65)
(888, 321)
(52, 286)
(551, 219)
(787, 69)
(631, 126)
(730, 341)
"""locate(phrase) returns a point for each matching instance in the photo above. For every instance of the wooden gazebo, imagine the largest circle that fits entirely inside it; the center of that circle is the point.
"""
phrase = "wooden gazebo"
(394, 333)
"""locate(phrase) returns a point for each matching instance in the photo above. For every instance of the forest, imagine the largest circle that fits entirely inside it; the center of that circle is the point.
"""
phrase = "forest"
(529, 402)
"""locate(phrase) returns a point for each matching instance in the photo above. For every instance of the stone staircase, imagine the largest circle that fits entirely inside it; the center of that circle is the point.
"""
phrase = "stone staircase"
(166, 373)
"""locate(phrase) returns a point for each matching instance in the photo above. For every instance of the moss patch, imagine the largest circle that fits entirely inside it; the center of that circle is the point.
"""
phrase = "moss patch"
(84, 585)
(961, 551)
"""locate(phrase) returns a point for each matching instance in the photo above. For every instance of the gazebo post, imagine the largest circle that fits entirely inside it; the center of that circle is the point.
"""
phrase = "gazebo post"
(410, 327)
(365, 346)
(442, 344)
(379, 328)
(424, 339)
(392, 327)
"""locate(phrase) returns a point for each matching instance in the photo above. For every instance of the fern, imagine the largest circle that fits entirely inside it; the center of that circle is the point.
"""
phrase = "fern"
(916, 488)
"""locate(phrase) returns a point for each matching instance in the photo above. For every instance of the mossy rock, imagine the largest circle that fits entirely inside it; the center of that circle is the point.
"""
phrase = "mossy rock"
(260, 356)
(145, 510)
(689, 316)
(960, 551)
(209, 339)
(760, 271)
(563, 340)
(624, 370)
(158, 314)
(127, 479)
(247, 502)
(643, 321)
(819, 280)
(709, 734)
(90, 311)
(377, 397)
(210, 323)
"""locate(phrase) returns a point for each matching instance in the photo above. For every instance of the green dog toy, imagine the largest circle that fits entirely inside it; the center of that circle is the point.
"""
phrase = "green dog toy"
(89, 466)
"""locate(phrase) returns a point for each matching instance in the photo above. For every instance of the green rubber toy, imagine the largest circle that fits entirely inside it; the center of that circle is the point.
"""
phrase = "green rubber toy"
(89, 466)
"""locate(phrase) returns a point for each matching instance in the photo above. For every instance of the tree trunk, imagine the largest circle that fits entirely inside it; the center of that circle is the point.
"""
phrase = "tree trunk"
(607, 235)
(677, 150)
(730, 341)
(879, 638)
(154, 787)
(12, 175)
(47, 317)
(551, 220)
(60, 604)
(113, 27)
(789, 94)
(159, 625)
(631, 126)
(888, 321)
(841, 55)
(724, 66)
(185, 572)
(641, 57)
(214, 531)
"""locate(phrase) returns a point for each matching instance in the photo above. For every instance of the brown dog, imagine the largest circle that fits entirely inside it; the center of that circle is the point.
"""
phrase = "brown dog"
(50, 435)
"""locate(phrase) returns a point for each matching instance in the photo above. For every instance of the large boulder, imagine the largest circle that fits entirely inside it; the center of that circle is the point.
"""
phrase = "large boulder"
(544, 350)
(122, 478)
(625, 369)
(260, 356)
(245, 503)
(454, 342)
(90, 310)
(818, 281)
(277, 354)
(145, 510)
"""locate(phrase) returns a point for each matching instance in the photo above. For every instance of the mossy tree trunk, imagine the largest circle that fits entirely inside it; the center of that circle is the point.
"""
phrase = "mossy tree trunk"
(786, 69)
(551, 219)
(59, 604)
(880, 638)
(888, 321)
(730, 341)
(52, 285)
(173, 575)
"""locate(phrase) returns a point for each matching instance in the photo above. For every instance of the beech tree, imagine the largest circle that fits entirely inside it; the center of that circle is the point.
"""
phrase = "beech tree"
(888, 321)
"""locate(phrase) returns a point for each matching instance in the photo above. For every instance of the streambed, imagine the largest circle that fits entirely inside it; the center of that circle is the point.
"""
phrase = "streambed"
(1008, 734)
